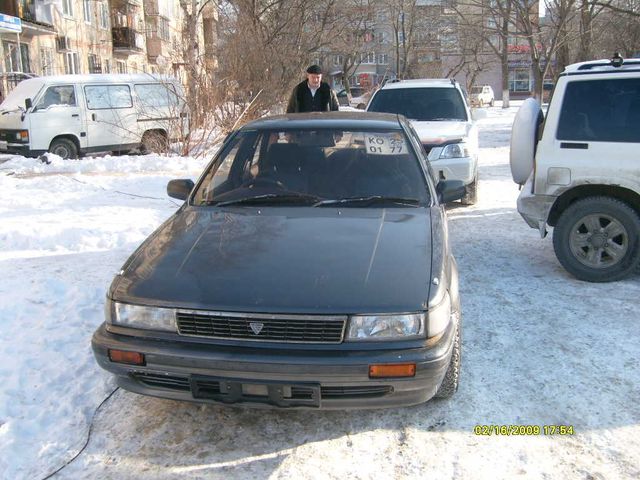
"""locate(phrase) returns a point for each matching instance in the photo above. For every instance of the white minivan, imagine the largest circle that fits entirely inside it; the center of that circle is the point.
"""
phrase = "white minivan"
(72, 115)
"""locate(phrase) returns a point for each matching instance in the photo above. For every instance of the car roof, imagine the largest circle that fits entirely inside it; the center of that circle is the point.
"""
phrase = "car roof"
(420, 83)
(101, 78)
(602, 66)
(342, 120)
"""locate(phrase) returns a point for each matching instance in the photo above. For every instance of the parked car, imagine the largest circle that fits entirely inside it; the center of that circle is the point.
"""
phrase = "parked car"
(71, 115)
(308, 267)
(482, 95)
(582, 177)
(358, 98)
(438, 111)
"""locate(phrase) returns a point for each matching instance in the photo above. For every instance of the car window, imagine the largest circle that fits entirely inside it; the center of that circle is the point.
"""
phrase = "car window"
(476, 89)
(107, 96)
(155, 95)
(325, 164)
(422, 104)
(601, 110)
(59, 95)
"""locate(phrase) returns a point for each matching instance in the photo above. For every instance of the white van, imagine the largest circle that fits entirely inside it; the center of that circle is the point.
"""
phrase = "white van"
(72, 115)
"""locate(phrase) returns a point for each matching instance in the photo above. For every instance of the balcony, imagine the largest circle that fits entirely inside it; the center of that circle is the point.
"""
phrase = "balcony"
(127, 41)
(37, 18)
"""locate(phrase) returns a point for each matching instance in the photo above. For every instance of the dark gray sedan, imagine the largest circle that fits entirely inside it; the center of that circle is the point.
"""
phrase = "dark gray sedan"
(309, 267)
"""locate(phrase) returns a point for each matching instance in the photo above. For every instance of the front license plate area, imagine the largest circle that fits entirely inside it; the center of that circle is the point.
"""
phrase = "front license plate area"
(280, 394)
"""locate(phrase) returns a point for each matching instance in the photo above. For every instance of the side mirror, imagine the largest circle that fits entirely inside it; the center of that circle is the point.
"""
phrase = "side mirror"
(28, 103)
(180, 189)
(478, 114)
(450, 190)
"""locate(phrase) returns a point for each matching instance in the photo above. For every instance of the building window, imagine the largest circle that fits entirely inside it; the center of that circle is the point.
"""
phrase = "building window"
(71, 63)
(121, 66)
(383, 37)
(368, 58)
(86, 9)
(519, 80)
(12, 58)
(337, 60)
(383, 59)
(94, 64)
(46, 61)
(163, 29)
(67, 8)
(106, 65)
(103, 10)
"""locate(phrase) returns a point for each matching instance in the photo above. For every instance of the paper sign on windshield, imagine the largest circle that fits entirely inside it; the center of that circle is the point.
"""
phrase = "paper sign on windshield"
(385, 144)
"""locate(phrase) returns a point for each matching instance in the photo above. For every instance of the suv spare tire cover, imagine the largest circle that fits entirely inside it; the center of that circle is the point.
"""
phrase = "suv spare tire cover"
(523, 140)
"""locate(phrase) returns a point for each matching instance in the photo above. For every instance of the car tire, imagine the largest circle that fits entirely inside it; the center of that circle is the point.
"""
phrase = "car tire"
(451, 379)
(154, 141)
(524, 138)
(597, 239)
(64, 148)
(471, 197)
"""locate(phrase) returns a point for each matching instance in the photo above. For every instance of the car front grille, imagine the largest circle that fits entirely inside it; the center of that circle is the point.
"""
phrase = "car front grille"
(288, 329)
(163, 381)
(356, 391)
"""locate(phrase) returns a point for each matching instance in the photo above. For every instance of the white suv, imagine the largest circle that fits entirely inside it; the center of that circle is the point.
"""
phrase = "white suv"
(583, 176)
(439, 113)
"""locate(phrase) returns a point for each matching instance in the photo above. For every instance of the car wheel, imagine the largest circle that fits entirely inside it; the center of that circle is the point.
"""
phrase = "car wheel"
(524, 137)
(449, 384)
(597, 239)
(63, 147)
(154, 141)
(471, 197)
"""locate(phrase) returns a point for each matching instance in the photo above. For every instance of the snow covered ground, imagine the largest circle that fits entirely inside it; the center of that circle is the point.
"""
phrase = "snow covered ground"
(539, 348)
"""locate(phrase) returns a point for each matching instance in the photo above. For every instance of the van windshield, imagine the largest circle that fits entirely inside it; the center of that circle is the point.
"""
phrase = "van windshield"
(25, 89)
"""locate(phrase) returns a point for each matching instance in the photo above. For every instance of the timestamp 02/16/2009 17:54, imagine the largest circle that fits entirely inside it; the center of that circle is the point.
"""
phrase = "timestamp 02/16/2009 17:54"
(509, 430)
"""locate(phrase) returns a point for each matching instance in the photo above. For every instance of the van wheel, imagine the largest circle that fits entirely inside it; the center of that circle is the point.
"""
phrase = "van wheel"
(63, 147)
(449, 384)
(154, 141)
(471, 197)
(597, 239)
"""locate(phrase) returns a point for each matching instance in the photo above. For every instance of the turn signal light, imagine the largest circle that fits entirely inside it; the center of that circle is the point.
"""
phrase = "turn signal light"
(397, 370)
(130, 358)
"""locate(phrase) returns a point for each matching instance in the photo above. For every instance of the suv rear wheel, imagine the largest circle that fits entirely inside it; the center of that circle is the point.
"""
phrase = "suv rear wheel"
(597, 239)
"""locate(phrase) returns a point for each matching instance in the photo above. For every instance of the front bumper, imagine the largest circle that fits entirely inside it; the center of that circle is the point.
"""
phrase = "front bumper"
(280, 378)
(464, 168)
(19, 149)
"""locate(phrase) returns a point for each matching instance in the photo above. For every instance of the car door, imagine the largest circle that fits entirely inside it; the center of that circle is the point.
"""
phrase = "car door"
(57, 112)
(111, 117)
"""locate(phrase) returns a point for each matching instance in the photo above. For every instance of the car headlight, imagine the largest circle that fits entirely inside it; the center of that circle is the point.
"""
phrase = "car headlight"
(137, 316)
(385, 327)
(455, 150)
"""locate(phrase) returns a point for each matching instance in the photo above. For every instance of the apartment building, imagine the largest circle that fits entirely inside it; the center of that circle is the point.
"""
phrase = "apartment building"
(96, 36)
(426, 39)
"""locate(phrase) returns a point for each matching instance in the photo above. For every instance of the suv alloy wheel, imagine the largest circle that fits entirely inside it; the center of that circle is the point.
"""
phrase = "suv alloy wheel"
(597, 239)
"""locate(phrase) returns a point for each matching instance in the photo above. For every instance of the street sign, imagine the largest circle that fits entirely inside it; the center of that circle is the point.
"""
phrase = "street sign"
(10, 24)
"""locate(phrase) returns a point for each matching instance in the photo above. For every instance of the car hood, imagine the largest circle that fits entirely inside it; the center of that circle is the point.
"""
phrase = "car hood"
(284, 260)
(12, 120)
(441, 131)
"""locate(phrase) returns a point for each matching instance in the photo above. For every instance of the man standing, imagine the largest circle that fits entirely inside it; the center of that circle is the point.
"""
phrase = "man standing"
(312, 94)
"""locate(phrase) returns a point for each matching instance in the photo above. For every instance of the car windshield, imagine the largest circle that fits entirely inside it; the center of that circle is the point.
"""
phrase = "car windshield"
(476, 89)
(316, 168)
(422, 104)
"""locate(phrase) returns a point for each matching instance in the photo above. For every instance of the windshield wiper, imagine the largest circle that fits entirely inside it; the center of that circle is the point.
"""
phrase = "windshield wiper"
(370, 200)
(271, 198)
